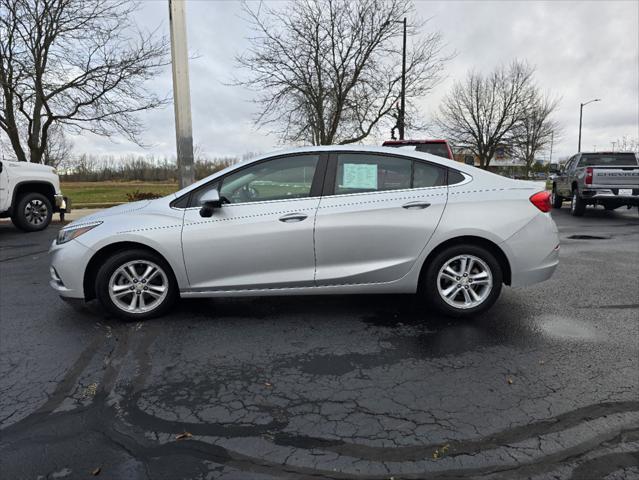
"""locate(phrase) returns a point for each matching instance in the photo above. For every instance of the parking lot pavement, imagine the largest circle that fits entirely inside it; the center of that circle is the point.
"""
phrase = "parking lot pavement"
(544, 385)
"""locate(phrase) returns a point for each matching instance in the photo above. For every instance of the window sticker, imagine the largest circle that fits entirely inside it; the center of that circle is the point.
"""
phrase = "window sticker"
(360, 176)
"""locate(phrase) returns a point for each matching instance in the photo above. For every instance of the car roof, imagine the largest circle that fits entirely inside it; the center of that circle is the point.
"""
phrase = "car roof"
(462, 167)
(412, 142)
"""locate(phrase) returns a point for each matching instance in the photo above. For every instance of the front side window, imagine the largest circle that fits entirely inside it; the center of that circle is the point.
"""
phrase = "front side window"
(278, 179)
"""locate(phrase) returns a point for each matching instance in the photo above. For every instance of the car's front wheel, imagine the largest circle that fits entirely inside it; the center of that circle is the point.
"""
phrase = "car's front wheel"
(463, 280)
(136, 284)
(32, 212)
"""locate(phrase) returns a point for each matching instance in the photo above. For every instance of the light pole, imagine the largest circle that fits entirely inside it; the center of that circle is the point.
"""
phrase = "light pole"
(181, 93)
(401, 116)
(581, 114)
(402, 113)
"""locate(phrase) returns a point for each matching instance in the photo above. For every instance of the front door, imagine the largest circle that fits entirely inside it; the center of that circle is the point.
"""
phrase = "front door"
(263, 237)
(377, 217)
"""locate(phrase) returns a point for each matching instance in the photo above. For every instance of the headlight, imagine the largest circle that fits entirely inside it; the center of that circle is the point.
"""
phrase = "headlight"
(67, 234)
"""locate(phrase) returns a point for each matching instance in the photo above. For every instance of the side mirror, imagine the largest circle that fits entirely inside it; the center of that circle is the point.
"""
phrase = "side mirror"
(209, 202)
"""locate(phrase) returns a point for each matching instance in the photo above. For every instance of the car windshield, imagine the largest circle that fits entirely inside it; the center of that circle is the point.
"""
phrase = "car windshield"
(617, 159)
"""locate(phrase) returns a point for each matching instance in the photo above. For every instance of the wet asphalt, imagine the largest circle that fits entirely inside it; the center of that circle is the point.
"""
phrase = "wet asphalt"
(545, 385)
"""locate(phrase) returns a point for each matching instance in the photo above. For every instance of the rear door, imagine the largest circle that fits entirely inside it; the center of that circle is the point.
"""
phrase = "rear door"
(377, 213)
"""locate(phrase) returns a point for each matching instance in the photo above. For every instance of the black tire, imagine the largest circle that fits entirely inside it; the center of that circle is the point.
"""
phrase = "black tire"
(32, 212)
(556, 199)
(108, 269)
(429, 284)
(577, 204)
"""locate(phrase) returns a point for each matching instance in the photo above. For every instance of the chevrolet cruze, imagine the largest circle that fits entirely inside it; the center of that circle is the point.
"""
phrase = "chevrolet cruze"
(316, 220)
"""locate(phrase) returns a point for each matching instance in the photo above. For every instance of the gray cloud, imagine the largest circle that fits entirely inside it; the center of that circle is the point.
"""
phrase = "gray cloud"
(582, 50)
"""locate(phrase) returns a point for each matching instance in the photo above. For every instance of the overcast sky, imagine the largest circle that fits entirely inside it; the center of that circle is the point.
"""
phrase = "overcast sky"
(582, 50)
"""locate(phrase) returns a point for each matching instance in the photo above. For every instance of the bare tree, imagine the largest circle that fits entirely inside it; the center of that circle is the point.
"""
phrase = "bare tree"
(480, 113)
(535, 130)
(80, 64)
(329, 71)
(58, 147)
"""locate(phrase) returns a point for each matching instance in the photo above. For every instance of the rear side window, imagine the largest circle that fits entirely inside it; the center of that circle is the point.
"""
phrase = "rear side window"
(359, 173)
(613, 159)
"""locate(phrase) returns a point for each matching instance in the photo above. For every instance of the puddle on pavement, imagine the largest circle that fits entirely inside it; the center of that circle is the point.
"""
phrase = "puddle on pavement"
(589, 237)
(564, 328)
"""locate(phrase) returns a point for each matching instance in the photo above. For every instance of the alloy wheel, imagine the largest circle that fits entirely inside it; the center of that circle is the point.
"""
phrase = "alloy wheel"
(464, 281)
(138, 286)
(35, 212)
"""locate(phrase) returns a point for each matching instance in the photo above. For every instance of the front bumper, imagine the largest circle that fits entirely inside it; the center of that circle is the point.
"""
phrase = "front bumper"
(68, 264)
(61, 204)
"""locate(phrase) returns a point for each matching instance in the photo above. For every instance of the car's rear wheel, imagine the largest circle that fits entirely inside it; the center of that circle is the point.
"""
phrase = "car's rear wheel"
(555, 198)
(136, 284)
(463, 280)
(577, 204)
(32, 212)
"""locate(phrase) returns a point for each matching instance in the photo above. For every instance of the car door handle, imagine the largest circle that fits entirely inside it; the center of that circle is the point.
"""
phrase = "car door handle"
(416, 205)
(293, 217)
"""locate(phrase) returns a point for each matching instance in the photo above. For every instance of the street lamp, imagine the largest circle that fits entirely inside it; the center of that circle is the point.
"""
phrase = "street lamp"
(402, 113)
(402, 107)
(581, 113)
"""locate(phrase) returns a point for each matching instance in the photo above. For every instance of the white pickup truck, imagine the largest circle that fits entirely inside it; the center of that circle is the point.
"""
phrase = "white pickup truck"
(610, 179)
(30, 194)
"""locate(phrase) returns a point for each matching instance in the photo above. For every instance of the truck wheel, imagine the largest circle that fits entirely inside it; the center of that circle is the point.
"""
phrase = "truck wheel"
(577, 204)
(462, 281)
(32, 212)
(555, 198)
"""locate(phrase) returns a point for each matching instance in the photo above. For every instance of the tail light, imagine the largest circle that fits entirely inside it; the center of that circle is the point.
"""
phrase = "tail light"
(541, 200)
(588, 175)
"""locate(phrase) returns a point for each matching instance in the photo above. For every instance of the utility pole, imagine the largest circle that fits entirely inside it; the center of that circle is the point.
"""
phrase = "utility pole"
(581, 114)
(402, 113)
(181, 93)
(552, 139)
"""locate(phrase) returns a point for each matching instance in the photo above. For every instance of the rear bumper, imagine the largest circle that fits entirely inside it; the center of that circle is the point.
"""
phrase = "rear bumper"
(611, 194)
(533, 251)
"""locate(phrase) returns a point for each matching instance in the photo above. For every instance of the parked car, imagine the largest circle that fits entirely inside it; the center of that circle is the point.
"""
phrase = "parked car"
(610, 179)
(434, 147)
(30, 194)
(316, 220)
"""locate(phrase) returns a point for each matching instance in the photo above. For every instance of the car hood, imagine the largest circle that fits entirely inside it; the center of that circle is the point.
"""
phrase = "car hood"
(124, 209)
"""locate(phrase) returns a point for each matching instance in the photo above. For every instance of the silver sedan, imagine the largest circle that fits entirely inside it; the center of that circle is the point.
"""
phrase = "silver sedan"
(316, 220)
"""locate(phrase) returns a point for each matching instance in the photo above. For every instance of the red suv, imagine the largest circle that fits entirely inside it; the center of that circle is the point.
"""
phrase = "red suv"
(434, 147)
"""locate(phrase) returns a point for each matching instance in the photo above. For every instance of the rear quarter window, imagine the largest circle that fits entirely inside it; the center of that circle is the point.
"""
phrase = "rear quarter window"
(455, 177)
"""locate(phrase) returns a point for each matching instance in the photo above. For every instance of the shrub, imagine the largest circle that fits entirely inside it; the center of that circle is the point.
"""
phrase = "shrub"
(138, 195)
